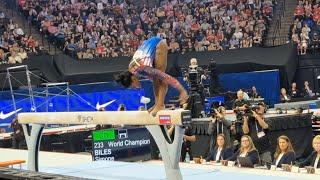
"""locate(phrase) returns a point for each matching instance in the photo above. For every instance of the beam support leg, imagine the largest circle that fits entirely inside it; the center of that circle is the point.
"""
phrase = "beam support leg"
(170, 151)
(33, 133)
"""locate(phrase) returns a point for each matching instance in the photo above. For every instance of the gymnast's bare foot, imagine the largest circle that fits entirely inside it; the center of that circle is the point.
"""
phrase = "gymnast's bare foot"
(156, 109)
(151, 109)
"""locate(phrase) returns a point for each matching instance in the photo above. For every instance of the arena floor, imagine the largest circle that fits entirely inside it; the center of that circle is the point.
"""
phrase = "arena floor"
(80, 165)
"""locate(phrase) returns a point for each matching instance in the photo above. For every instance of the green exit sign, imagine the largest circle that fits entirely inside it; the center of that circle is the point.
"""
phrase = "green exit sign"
(104, 135)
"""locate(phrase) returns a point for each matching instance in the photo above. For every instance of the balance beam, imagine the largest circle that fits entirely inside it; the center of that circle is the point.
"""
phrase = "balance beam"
(164, 117)
(170, 150)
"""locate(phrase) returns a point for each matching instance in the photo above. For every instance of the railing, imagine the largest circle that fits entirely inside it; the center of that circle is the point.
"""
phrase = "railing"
(275, 40)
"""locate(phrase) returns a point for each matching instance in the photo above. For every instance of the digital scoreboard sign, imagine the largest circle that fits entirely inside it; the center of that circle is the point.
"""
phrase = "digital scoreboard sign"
(128, 144)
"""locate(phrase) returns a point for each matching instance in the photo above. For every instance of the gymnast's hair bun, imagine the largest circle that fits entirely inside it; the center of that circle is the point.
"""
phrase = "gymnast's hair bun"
(124, 78)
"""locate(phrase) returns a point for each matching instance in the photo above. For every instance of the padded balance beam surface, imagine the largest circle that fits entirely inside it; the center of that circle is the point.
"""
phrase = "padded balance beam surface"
(163, 117)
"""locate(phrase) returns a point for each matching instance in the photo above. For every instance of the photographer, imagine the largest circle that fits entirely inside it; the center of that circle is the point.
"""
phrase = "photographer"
(239, 107)
(255, 126)
(219, 124)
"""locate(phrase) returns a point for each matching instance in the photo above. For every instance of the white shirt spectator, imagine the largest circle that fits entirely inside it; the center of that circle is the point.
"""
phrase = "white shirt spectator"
(218, 154)
(238, 35)
(100, 6)
(279, 158)
(205, 26)
(19, 31)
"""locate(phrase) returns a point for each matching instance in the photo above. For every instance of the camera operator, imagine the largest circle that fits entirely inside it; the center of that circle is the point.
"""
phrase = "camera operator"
(196, 90)
(219, 124)
(193, 76)
(239, 107)
(255, 126)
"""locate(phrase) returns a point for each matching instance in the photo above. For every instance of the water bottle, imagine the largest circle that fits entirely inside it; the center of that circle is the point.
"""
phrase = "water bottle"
(187, 160)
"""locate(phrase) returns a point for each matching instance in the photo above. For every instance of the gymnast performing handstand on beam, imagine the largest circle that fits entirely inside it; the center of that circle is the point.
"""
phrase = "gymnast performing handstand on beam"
(150, 62)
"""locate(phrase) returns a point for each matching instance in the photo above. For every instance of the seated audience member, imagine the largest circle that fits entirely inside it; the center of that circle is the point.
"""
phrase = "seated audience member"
(220, 151)
(256, 127)
(284, 97)
(254, 93)
(219, 124)
(294, 92)
(284, 153)
(314, 158)
(307, 90)
(247, 149)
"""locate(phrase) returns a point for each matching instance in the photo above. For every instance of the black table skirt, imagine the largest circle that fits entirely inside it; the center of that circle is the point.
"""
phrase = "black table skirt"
(297, 127)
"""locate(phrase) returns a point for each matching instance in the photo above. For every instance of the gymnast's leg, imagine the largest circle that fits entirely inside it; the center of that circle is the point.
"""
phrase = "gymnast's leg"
(160, 87)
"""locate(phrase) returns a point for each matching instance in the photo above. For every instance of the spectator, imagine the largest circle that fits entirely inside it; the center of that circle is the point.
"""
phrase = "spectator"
(306, 25)
(284, 153)
(294, 92)
(254, 93)
(307, 90)
(195, 25)
(284, 97)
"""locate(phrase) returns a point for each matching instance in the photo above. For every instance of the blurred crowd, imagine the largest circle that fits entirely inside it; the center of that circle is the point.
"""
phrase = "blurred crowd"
(306, 26)
(15, 45)
(86, 29)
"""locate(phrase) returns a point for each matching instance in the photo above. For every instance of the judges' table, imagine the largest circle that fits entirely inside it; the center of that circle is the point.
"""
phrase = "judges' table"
(299, 104)
(297, 127)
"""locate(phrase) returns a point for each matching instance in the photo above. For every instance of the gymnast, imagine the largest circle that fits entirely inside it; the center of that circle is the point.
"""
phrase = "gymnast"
(150, 62)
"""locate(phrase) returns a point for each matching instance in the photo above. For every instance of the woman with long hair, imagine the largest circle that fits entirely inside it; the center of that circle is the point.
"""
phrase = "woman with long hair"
(247, 149)
(220, 151)
(284, 153)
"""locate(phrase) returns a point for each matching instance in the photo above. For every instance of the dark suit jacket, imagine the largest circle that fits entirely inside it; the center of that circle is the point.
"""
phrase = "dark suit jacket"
(310, 160)
(283, 100)
(225, 154)
(294, 94)
(253, 155)
(287, 158)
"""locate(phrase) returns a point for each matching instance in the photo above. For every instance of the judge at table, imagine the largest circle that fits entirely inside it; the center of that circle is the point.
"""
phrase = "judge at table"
(284, 153)
(314, 158)
(220, 151)
(247, 149)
